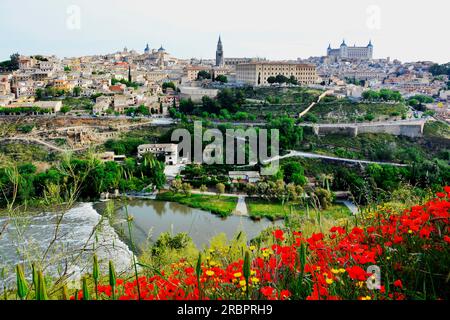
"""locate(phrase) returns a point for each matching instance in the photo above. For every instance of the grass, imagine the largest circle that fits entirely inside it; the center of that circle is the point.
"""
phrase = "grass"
(344, 110)
(437, 129)
(223, 206)
(260, 208)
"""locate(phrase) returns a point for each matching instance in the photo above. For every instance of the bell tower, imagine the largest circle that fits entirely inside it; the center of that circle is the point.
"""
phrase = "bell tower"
(220, 60)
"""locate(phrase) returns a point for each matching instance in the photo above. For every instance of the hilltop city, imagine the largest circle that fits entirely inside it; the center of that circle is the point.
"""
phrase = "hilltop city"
(102, 192)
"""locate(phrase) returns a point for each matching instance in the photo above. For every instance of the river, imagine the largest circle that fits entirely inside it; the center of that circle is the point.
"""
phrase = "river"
(84, 229)
(151, 218)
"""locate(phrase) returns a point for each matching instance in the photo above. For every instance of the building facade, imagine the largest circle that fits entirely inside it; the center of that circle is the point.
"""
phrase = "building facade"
(257, 73)
(166, 151)
(352, 53)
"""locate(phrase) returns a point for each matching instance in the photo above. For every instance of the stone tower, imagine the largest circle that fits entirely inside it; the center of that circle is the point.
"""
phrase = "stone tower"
(220, 60)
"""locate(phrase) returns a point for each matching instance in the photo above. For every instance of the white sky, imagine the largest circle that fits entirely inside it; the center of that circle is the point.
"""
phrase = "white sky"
(277, 29)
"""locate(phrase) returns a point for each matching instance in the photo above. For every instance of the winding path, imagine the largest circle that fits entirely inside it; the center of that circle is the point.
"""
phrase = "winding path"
(323, 95)
(295, 154)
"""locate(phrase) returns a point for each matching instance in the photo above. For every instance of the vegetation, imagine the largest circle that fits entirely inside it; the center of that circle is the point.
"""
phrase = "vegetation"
(276, 210)
(283, 263)
(203, 74)
(443, 69)
(141, 110)
(167, 85)
(332, 110)
(291, 135)
(280, 79)
(223, 206)
(221, 78)
(12, 64)
(131, 84)
(24, 110)
(382, 95)
(69, 180)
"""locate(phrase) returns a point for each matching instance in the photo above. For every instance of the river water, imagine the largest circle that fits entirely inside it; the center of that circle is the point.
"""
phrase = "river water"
(151, 218)
(81, 232)
(85, 229)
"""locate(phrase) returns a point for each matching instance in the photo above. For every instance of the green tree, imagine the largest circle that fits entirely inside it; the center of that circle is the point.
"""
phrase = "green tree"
(76, 91)
(290, 134)
(221, 78)
(167, 85)
(65, 109)
(220, 187)
(39, 93)
(203, 74)
(293, 172)
(271, 80)
(186, 106)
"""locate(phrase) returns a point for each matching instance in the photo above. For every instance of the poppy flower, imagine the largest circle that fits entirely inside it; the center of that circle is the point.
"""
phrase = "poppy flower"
(279, 235)
(398, 284)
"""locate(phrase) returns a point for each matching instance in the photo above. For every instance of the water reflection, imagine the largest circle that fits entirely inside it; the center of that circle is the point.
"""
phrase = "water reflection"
(151, 218)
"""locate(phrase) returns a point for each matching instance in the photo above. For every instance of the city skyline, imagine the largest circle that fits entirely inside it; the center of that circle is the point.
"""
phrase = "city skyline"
(186, 30)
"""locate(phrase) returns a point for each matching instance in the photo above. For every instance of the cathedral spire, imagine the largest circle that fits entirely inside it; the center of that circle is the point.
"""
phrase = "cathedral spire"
(220, 60)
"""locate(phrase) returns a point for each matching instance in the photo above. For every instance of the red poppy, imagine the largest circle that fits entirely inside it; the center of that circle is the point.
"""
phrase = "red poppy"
(279, 235)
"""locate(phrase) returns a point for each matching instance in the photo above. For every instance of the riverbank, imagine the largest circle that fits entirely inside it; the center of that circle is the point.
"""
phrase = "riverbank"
(259, 208)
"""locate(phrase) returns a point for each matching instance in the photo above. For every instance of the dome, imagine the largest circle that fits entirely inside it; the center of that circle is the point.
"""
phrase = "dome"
(161, 49)
(343, 43)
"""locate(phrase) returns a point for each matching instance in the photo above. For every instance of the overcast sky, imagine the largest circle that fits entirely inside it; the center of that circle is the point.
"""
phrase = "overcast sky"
(282, 29)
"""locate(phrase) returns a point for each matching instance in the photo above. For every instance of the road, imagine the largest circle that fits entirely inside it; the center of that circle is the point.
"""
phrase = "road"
(323, 95)
(241, 207)
(294, 154)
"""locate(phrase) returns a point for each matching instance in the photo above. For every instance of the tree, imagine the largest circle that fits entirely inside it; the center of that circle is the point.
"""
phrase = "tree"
(210, 105)
(176, 185)
(187, 189)
(281, 79)
(203, 74)
(220, 188)
(167, 85)
(76, 91)
(39, 93)
(12, 64)
(290, 134)
(65, 109)
(293, 80)
(324, 197)
(221, 78)
(203, 188)
(293, 172)
(271, 80)
(186, 106)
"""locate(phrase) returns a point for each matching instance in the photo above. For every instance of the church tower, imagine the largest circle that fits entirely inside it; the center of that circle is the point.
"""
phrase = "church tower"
(220, 60)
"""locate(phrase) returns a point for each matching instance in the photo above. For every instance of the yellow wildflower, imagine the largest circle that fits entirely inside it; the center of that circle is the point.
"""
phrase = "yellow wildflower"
(209, 273)
(255, 280)
(335, 271)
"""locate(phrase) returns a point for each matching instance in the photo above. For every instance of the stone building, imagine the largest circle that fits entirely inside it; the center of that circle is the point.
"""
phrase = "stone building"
(257, 73)
(351, 53)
